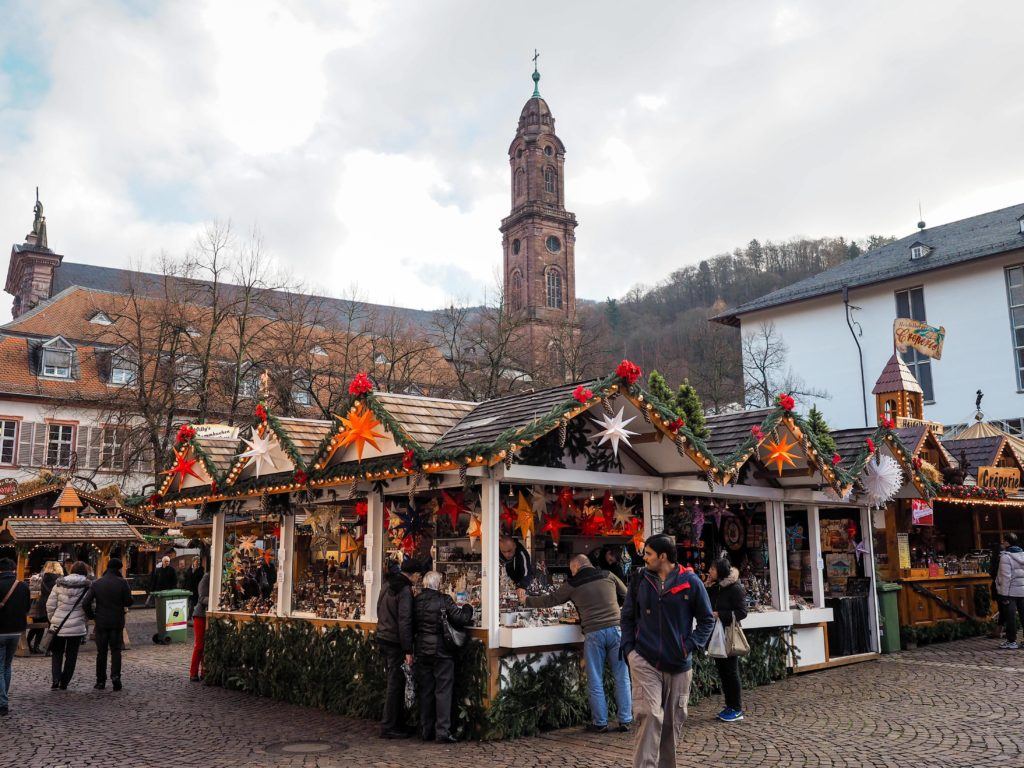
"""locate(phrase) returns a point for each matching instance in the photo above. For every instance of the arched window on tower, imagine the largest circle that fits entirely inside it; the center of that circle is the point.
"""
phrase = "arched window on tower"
(550, 180)
(515, 291)
(554, 288)
(520, 183)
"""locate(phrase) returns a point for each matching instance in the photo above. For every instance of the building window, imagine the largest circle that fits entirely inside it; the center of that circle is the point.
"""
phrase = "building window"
(122, 371)
(1015, 296)
(515, 290)
(8, 441)
(516, 245)
(548, 150)
(553, 244)
(919, 251)
(910, 303)
(301, 396)
(318, 351)
(58, 359)
(59, 440)
(113, 449)
(520, 183)
(187, 373)
(549, 180)
(554, 289)
(249, 385)
(101, 318)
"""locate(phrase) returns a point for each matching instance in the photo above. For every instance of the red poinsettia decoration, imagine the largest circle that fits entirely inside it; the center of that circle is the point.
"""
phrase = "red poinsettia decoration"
(185, 433)
(836, 459)
(785, 401)
(628, 371)
(917, 462)
(581, 394)
(676, 424)
(261, 412)
(757, 433)
(870, 444)
(888, 422)
(408, 460)
(213, 487)
(154, 498)
(360, 385)
(362, 509)
(301, 477)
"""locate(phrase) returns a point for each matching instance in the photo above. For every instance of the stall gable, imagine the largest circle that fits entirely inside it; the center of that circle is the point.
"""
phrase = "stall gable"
(908, 446)
(972, 453)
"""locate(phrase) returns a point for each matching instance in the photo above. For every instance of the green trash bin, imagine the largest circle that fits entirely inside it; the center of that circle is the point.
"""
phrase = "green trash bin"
(171, 616)
(888, 608)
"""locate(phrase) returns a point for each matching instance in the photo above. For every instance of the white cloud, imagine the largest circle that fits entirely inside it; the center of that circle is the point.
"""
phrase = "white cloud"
(615, 175)
(651, 101)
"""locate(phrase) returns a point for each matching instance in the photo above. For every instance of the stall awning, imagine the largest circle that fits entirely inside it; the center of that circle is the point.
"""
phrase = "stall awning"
(25, 530)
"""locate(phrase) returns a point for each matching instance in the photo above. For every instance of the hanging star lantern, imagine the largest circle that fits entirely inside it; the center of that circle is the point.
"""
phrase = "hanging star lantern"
(539, 501)
(608, 505)
(566, 501)
(622, 514)
(524, 516)
(553, 527)
(183, 467)
(860, 550)
(260, 447)
(636, 529)
(508, 517)
(592, 525)
(452, 507)
(780, 452)
(613, 430)
(247, 544)
(267, 555)
(475, 530)
(360, 429)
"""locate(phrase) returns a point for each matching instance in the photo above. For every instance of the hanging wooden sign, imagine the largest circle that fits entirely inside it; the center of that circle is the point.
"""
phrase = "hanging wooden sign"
(1007, 478)
(8, 486)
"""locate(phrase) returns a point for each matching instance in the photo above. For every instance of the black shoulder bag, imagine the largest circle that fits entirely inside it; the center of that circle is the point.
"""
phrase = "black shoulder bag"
(51, 633)
(453, 639)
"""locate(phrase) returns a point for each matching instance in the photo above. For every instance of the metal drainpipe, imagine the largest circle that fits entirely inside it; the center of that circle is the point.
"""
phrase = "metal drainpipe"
(860, 353)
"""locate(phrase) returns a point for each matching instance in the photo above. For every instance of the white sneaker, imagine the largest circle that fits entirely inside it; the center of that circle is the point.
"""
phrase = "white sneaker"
(1008, 646)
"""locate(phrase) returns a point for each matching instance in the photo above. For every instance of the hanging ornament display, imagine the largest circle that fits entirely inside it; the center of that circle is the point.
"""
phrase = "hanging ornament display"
(621, 514)
(247, 543)
(362, 509)
(183, 467)
(635, 529)
(410, 523)
(592, 525)
(882, 479)
(267, 555)
(260, 447)
(779, 452)
(524, 516)
(347, 545)
(325, 520)
(608, 505)
(508, 517)
(553, 527)
(566, 502)
(360, 429)
(613, 430)
(475, 530)
(452, 507)
(539, 501)
(697, 521)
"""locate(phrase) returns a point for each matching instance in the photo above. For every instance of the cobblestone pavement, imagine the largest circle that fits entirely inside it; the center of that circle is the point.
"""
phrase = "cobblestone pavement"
(957, 704)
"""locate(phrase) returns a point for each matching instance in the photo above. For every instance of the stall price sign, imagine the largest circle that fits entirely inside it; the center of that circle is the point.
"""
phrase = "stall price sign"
(921, 512)
(1007, 478)
(903, 547)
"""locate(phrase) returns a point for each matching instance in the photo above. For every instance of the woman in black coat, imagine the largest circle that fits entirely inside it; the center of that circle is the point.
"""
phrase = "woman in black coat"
(51, 572)
(728, 601)
(435, 663)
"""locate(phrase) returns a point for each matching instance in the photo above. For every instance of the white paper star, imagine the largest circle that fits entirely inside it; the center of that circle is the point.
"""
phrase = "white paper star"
(539, 501)
(623, 514)
(259, 450)
(614, 430)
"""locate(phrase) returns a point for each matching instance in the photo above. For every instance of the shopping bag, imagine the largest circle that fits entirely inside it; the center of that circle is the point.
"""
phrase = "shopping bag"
(735, 641)
(716, 645)
(410, 686)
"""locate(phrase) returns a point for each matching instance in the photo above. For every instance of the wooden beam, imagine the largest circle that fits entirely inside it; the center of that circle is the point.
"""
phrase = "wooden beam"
(648, 437)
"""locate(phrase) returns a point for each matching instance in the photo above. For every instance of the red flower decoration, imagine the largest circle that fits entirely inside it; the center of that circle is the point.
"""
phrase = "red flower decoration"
(581, 394)
(757, 433)
(213, 487)
(185, 433)
(836, 459)
(887, 422)
(676, 425)
(628, 372)
(917, 462)
(301, 477)
(360, 385)
(362, 509)
(154, 498)
(261, 412)
(408, 459)
(871, 445)
(785, 402)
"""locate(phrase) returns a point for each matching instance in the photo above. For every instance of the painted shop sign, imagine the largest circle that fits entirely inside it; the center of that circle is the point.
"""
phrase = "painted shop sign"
(1007, 478)
(215, 431)
(8, 486)
(913, 334)
(921, 512)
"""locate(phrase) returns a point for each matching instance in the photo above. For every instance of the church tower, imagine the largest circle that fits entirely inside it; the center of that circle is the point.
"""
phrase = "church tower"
(538, 234)
(30, 272)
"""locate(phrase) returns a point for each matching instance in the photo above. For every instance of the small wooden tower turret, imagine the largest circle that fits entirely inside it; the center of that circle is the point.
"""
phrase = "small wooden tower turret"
(897, 393)
(68, 504)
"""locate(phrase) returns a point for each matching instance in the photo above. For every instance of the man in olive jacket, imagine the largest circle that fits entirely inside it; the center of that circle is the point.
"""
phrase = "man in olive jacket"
(597, 596)
(105, 603)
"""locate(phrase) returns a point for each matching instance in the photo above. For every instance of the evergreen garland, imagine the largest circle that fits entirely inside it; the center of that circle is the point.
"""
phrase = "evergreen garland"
(658, 387)
(692, 409)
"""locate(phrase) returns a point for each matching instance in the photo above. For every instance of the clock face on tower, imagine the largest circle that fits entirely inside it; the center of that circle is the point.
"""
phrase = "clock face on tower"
(553, 244)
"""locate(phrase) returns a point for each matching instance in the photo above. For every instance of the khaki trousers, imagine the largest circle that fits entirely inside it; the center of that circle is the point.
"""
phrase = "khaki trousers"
(660, 702)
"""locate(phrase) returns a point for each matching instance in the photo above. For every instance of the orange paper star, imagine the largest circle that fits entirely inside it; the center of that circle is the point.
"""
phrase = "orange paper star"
(475, 529)
(780, 453)
(360, 429)
(524, 516)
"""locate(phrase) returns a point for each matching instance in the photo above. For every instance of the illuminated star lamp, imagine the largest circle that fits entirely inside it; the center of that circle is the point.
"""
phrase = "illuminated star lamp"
(566, 501)
(622, 515)
(608, 505)
(780, 453)
(613, 430)
(553, 527)
(183, 467)
(260, 447)
(360, 429)
(524, 515)
(452, 507)
(539, 501)
(592, 525)
(475, 530)
(508, 517)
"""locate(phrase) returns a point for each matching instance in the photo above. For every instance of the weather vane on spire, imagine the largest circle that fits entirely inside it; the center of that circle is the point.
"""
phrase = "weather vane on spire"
(536, 75)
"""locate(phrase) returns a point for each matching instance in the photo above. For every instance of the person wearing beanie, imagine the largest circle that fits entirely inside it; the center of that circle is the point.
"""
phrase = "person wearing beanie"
(395, 640)
(106, 603)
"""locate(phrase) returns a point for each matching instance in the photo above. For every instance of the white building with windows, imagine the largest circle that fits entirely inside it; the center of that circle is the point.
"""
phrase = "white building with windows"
(967, 276)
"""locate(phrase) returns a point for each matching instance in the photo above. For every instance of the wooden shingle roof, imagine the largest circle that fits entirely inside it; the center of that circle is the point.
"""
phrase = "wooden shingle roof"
(46, 529)
(306, 435)
(68, 499)
(979, 451)
(424, 419)
(728, 431)
(896, 377)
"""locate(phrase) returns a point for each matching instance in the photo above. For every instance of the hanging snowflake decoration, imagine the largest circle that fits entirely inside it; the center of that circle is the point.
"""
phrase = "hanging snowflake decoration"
(613, 429)
(882, 479)
(259, 450)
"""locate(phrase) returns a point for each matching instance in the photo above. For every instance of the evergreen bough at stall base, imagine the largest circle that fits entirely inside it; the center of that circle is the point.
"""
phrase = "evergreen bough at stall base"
(340, 670)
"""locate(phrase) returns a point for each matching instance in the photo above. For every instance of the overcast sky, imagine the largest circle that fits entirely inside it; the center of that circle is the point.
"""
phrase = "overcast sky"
(367, 140)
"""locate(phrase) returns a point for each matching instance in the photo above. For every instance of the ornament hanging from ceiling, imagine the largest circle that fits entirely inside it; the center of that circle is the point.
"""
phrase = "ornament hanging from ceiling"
(475, 530)
(524, 516)
(247, 543)
(593, 525)
(325, 519)
(553, 527)
(183, 467)
(780, 453)
(260, 447)
(539, 501)
(613, 430)
(452, 507)
(507, 517)
(608, 505)
(360, 429)
(622, 514)
(566, 501)
(882, 479)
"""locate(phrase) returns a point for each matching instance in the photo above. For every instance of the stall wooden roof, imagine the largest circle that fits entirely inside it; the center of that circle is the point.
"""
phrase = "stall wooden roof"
(982, 452)
(220, 453)
(306, 435)
(92, 499)
(31, 530)
(728, 431)
(425, 419)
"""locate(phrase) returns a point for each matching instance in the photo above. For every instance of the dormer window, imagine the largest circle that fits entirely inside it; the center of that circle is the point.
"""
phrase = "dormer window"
(1020, 224)
(58, 359)
(122, 370)
(193, 331)
(919, 251)
(101, 318)
(317, 350)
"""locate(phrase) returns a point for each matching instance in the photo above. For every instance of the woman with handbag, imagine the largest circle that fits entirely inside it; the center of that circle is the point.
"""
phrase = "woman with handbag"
(67, 623)
(728, 601)
(437, 635)
(51, 572)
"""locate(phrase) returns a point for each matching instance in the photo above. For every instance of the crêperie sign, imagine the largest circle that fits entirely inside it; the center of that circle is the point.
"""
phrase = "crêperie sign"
(1006, 478)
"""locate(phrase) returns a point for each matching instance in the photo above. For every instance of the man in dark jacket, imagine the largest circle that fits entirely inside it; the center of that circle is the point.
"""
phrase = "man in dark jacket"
(395, 638)
(15, 601)
(165, 576)
(516, 560)
(435, 663)
(658, 640)
(105, 603)
(597, 596)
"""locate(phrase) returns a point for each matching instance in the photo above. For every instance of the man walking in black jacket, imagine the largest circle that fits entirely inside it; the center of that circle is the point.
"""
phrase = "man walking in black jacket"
(15, 600)
(395, 638)
(105, 603)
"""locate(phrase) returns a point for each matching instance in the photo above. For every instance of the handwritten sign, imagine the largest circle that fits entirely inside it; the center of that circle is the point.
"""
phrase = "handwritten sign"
(921, 512)
(913, 334)
(216, 431)
(903, 547)
(1007, 478)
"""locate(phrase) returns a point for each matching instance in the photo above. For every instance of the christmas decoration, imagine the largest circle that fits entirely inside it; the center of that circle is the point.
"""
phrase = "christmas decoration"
(690, 407)
(860, 551)
(593, 524)
(613, 429)
(410, 523)
(408, 460)
(882, 479)
(780, 452)
(360, 385)
(887, 422)
(794, 535)
(524, 516)
(972, 492)
(362, 509)
(660, 389)
(621, 515)
(785, 402)
(851, 530)
(452, 507)
(628, 372)
(508, 517)
(608, 505)
(539, 501)
(553, 526)
(347, 546)
(870, 444)
(247, 543)
(566, 502)
(836, 459)
(581, 394)
(676, 424)
(300, 477)
(820, 430)
(261, 412)
(757, 433)
(185, 433)
(267, 555)
(360, 429)
(260, 447)
(183, 467)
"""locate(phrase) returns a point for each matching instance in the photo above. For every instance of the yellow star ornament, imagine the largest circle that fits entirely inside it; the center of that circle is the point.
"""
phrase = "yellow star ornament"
(780, 453)
(524, 515)
(360, 429)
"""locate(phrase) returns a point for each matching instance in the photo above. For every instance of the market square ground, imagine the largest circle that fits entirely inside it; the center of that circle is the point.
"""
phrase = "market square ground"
(956, 704)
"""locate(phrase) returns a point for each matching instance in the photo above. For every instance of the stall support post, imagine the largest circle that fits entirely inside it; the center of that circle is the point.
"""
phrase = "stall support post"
(817, 564)
(775, 517)
(654, 513)
(22, 565)
(216, 559)
(285, 547)
(868, 540)
(373, 541)
(490, 531)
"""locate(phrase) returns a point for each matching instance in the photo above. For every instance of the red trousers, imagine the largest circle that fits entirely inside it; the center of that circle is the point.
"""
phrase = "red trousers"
(199, 629)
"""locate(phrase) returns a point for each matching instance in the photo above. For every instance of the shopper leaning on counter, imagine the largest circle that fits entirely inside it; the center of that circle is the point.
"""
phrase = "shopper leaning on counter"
(597, 596)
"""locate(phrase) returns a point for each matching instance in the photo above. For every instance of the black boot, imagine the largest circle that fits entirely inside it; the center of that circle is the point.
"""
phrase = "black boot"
(100, 685)
(116, 681)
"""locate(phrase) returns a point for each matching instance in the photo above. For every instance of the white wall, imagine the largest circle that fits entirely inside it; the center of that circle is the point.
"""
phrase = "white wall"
(969, 300)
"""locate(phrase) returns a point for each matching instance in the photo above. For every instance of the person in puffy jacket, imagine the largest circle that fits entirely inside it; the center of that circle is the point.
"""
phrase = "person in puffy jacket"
(729, 602)
(435, 665)
(67, 619)
(395, 639)
(1010, 588)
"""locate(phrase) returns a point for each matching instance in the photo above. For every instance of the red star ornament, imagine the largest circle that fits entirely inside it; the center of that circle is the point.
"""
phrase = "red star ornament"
(451, 506)
(608, 506)
(553, 527)
(593, 525)
(566, 501)
(183, 467)
(508, 517)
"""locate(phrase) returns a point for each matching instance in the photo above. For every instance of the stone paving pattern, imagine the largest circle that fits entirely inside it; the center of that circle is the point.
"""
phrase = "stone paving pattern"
(956, 704)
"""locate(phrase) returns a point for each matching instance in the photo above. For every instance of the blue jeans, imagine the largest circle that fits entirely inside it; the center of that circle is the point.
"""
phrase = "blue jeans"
(602, 647)
(8, 645)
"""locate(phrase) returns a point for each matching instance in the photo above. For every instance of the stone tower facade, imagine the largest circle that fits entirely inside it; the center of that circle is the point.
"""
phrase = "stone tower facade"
(31, 269)
(538, 237)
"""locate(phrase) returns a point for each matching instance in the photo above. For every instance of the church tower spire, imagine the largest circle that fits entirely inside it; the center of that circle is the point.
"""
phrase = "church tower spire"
(538, 235)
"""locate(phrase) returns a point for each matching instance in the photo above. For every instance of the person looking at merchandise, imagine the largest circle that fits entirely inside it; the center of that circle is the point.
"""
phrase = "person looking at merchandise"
(395, 640)
(516, 560)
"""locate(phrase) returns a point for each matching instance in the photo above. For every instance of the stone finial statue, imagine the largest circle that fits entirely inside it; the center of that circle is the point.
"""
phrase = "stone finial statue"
(39, 224)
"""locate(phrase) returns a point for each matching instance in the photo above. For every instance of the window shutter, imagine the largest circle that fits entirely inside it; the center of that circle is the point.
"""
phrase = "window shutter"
(25, 444)
(95, 444)
(75, 369)
(82, 447)
(39, 445)
(35, 357)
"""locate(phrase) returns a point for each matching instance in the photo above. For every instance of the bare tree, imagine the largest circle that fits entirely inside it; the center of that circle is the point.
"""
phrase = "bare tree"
(766, 372)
